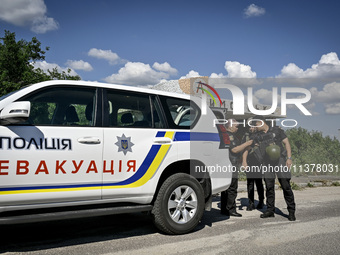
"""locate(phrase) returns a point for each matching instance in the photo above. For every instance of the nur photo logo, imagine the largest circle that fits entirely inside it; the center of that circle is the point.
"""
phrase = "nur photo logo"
(200, 85)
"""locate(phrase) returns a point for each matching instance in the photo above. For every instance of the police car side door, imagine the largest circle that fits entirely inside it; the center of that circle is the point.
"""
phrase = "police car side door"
(136, 144)
(57, 155)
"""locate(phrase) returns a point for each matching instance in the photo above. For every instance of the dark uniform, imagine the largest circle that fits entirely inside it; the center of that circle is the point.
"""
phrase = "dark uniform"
(284, 177)
(228, 197)
(253, 177)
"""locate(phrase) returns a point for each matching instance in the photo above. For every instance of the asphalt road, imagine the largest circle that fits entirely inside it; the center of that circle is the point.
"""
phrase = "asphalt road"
(316, 231)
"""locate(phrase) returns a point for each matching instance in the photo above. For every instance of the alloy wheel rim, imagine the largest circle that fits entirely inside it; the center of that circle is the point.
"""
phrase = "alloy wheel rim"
(182, 204)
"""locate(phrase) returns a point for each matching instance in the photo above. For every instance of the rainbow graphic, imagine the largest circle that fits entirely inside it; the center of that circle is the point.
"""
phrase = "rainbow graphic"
(208, 92)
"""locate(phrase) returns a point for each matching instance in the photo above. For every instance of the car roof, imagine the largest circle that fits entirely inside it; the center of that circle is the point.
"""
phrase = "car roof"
(109, 86)
(33, 87)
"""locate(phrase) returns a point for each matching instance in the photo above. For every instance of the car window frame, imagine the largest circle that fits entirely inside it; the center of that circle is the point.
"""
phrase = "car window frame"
(151, 97)
(97, 107)
(169, 118)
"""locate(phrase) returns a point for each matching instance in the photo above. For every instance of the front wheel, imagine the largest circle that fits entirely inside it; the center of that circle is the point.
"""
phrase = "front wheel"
(179, 205)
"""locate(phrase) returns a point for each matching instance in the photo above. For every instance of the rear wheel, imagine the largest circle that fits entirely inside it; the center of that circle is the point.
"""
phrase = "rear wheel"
(179, 205)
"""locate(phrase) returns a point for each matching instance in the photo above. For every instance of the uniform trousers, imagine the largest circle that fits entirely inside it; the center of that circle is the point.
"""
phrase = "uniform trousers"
(228, 197)
(251, 182)
(284, 180)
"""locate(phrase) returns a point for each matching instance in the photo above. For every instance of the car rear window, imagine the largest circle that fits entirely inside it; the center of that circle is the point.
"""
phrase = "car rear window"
(181, 113)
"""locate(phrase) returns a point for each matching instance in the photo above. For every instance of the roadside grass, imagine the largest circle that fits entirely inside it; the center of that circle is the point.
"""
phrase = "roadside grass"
(295, 186)
(336, 184)
(242, 176)
(310, 185)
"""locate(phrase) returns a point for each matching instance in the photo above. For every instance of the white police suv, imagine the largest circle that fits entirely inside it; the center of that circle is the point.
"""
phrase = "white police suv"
(71, 149)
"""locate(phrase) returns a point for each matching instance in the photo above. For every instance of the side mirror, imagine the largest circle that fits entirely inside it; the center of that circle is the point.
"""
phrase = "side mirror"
(15, 113)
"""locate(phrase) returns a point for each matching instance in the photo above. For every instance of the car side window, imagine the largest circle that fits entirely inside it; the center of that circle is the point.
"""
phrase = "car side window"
(181, 113)
(62, 106)
(132, 110)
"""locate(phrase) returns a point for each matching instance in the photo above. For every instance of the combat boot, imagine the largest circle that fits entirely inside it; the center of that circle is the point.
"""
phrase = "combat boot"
(291, 216)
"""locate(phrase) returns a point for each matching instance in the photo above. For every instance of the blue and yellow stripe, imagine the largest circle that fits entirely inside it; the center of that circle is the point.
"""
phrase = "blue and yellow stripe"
(147, 169)
(144, 173)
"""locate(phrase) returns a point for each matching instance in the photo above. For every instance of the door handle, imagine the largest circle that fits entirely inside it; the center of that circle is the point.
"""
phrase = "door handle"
(89, 140)
(162, 140)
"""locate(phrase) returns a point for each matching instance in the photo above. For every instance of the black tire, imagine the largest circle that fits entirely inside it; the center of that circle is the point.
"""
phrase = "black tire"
(185, 214)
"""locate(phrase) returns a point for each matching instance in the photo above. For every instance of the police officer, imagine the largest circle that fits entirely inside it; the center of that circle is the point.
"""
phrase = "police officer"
(228, 197)
(251, 165)
(277, 159)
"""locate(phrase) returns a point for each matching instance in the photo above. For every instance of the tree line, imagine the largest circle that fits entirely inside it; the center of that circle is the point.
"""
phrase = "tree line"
(16, 64)
(313, 149)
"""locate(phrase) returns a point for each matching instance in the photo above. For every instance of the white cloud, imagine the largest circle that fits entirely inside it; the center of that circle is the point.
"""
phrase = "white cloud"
(291, 70)
(215, 75)
(265, 96)
(44, 24)
(332, 108)
(165, 67)
(330, 93)
(330, 58)
(108, 55)
(238, 70)
(28, 13)
(328, 66)
(45, 66)
(79, 65)
(254, 11)
(137, 73)
(191, 74)
(234, 69)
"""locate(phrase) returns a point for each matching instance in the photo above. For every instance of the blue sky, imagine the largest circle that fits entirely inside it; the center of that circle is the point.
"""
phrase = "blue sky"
(143, 42)
(189, 35)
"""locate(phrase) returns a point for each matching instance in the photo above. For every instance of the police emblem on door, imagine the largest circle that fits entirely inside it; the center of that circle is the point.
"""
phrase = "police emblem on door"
(124, 144)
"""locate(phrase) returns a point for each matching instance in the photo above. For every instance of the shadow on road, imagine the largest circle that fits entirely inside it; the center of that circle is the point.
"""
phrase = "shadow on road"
(244, 203)
(55, 234)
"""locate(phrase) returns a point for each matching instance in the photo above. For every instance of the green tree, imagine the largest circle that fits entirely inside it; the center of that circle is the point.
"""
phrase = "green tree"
(16, 64)
(54, 74)
(310, 147)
